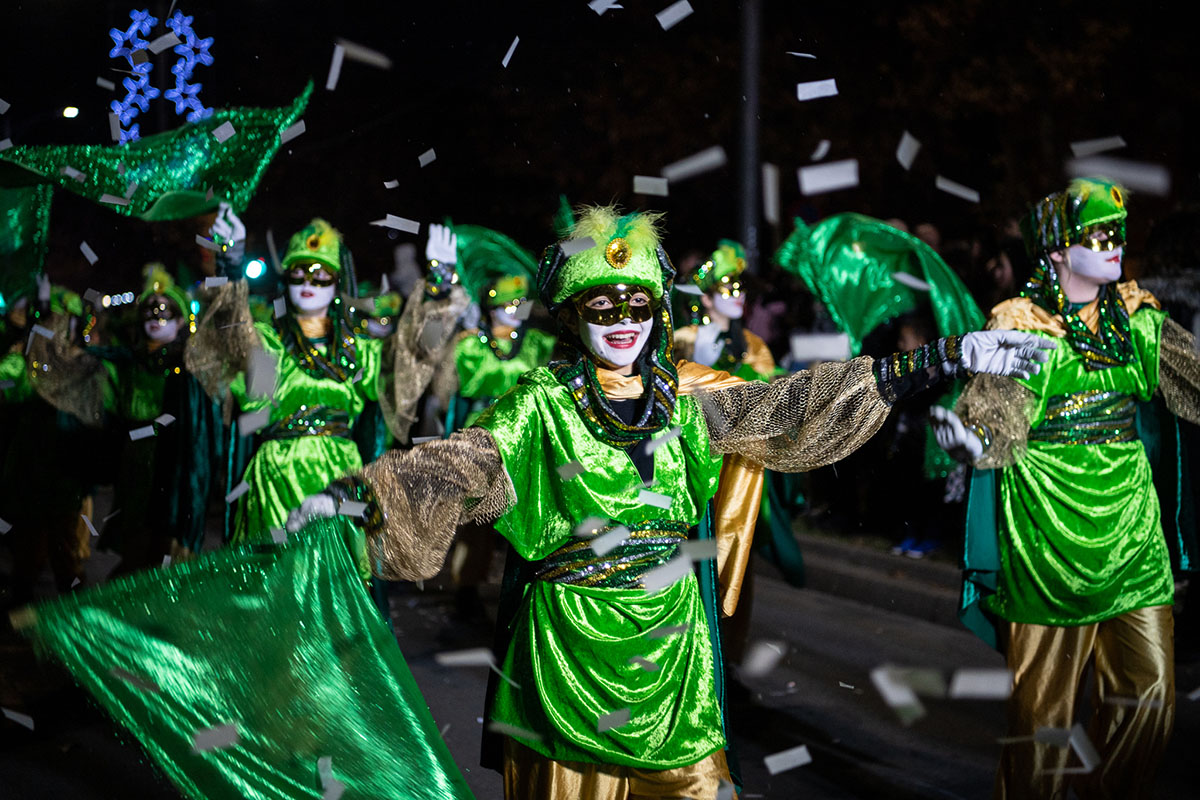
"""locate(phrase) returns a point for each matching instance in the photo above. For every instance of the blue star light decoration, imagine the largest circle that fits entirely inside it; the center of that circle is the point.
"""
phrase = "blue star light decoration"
(138, 91)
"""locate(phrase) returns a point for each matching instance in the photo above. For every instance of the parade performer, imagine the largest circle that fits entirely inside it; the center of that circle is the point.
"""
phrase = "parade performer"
(614, 668)
(1065, 554)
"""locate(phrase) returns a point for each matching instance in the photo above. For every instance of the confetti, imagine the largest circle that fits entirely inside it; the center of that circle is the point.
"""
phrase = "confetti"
(214, 738)
(644, 184)
(424, 439)
(92, 297)
(166, 562)
(425, 159)
(279, 535)
(43, 331)
(645, 664)
(333, 790)
(1090, 147)
(923, 681)
(73, 174)
(352, 508)
(88, 253)
(207, 244)
(601, 545)
(898, 695)
(812, 90)
(163, 42)
(980, 684)
(762, 657)
(829, 177)
(141, 433)
(364, 55)
(673, 14)
(801, 55)
(112, 199)
(787, 759)
(75, 583)
(274, 253)
(4, 105)
(91, 528)
(570, 470)
(842, 685)
(688, 288)
(130, 190)
(251, 421)
(654, 499)
(134, 680)
(699, 549)
(5, 144)
(18, 717)
(807, 347)
(104, 83)
(821, 151)
(391, 184)
(600, 6)
(1194, 694)
(280, 304)
(613, 719)
(725, 790)
(237, 492)
(291, 132)
(5, 527)
(907, 150)
(261, 373)
(224, 131)
(957, 189)
(590, 526)
(474, 657)
(660, 578)
(1140, 176)
(572, 246)
(511, 49)
(704, 161)
(770, 190)
(671, 630)
(504, 729)
(398, 223)
(659, 441)
(114, 127)
(911, 281)
(110, 516)
(335, 67)
(164, 419)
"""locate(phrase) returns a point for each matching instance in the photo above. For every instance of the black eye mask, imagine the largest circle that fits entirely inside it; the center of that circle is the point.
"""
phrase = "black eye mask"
(621, 296)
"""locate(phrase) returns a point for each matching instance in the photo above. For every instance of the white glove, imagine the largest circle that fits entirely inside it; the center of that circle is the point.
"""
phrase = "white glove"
(442, 245)
(953, 437)
(315, 505)
(227, 228)
(1010, 353)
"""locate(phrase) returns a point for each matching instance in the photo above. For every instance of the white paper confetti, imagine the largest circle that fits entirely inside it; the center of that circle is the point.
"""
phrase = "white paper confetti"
(88, 253)
(604, 543)
(163, 42)
(770, 191)
(73, 174)
(398, 223)
(141, 433)
(842, 685)
(113, 200)
(613, 719)
(280, 305)
(762, 657)
(104, 83)
(697, 164)
(504, 729)
(1090, 147)
(812, 90)
(699, 549)
(1194, 694)
(898, 695)
(43, 331)
(957, 189)
(114, 127)
(1139, 176)
(166, 562)
(262, 371)
(251, 421)
(274, 253)
(688, 288)
(821, 150)
(18, 717)
(572, 246)
(335, 67)
(279, 535)
(391, 184)
(134, 680)
(91, 528)
(829, 177)
(590, 526)
(911, 281)
(658, 441)
(237, 492)
(333, 790)
(907, 150)
(673, 14)
(725, 790)
(645, 184)
(5, 143)
(980, 684)
(224, 131)
(924, 681)
(660, 578)
(4, 106)
(292, 131)
(808, 347)
(654, 499)
(801, 55)
(600, 6)
(424, 439)
(787, 759)
(214, 738)
(511, 49)
(164, 419)
(670, 630)
(352, 508)
(474, 657)
(5, 527)
(130, 190)
(645, 664)
(364, 55)
(570, 470)
(207, 244)
(423, 160)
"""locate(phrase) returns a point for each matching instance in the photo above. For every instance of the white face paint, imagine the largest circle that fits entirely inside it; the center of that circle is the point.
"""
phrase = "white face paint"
(619, 344)
(502, 319)
(161, 330)
(1099, 267)
(732, 307)
(311, 301)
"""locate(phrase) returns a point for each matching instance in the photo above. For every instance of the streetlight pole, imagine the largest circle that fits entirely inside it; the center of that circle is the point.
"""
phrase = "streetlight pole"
(749, 171)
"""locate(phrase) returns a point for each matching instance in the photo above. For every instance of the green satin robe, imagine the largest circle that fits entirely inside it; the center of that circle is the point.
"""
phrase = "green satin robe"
(482, 376)
(572, 646)
(1081, 537)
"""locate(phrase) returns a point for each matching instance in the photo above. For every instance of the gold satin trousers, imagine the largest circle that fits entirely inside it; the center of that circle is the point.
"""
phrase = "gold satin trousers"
(531, 776)
(1132, 705)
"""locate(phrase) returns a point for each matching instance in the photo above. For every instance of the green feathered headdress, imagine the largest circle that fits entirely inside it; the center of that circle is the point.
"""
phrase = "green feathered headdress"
(725, 265)
(492, 268)
(157, 281)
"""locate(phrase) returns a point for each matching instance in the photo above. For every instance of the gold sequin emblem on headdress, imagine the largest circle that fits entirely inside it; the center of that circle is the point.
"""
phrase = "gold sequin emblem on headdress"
(617, 253)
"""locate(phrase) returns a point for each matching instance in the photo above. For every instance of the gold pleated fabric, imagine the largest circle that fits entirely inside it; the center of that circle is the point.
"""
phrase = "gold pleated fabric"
(1133, 705)
(531, 776)
(220, 348)
(758, 356)
(1179, 371)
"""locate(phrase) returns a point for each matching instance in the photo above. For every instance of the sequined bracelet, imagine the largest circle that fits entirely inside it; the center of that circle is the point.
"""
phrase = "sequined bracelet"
(983, 432)
(897, 374)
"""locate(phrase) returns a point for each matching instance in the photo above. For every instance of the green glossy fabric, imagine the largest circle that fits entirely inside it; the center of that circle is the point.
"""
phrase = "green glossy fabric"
(571, 645)
(15, 385)
(280, 640)
(24, 237)
(847, 261)
(482, 374)
(1080, 530)
(285, 471)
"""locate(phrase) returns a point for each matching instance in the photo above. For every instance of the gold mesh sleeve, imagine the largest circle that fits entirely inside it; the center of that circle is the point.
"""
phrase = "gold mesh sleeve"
(425, 493)
(799, 422)
(220, 348)
(1006, 409)
(65, 375)
(423, 335)
(1179, 371)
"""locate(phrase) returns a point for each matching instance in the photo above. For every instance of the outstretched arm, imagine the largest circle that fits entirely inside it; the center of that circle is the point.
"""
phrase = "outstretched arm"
(1179, 371)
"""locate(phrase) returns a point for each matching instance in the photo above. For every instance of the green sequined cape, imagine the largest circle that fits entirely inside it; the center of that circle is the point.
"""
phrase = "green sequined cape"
(1080, 532)
(571, 646)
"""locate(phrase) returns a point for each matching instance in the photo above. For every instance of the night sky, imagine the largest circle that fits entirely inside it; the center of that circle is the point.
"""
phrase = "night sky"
(995, 93)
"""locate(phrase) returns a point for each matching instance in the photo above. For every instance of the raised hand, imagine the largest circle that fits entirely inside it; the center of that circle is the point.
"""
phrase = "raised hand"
(442, 245)
(1011, 353)
(953, 437)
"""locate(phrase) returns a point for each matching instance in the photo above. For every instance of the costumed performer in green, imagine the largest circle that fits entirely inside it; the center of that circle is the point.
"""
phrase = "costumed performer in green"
(1065, 554)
